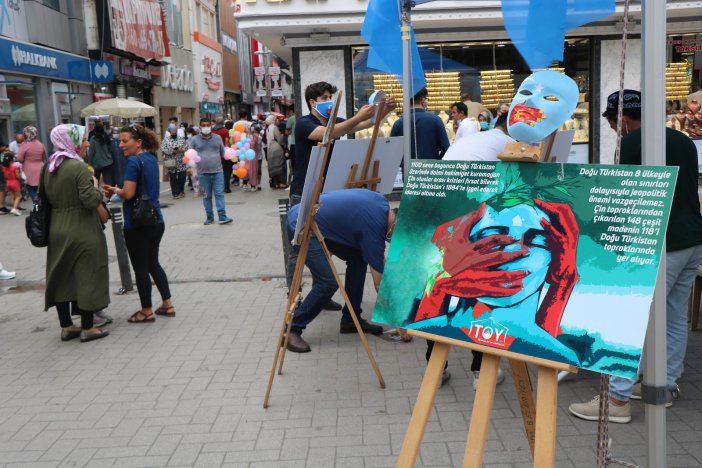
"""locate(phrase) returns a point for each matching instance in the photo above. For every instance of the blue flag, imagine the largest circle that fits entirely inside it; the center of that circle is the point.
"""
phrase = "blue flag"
(381, 28)
(537, 27)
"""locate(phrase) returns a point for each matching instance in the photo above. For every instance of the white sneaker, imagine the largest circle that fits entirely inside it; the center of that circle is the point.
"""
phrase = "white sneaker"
(16, 212)
(476, 376)
(6, 275)
(590, 411)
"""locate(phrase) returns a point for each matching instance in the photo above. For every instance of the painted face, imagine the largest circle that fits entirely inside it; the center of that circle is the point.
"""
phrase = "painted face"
(129, 144)
(523, 223)
(544, 101)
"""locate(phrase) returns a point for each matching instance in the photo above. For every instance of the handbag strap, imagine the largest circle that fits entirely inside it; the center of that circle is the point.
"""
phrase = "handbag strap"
(41, 189)
(143, 180)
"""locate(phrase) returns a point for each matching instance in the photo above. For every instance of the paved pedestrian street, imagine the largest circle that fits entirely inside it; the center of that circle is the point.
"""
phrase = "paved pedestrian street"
(188, 391)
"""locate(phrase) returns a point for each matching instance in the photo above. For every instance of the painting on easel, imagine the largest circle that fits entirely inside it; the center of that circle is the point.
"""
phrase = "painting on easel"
(554, 261)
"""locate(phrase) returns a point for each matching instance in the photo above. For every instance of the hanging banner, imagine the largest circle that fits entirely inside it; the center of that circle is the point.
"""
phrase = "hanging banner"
(138, 27)
(260, 82)
(554, 261)
(275, 84)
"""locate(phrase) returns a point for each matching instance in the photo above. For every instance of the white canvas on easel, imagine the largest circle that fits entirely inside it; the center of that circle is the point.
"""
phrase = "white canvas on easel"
(313, 171)
(560, 150)
(388, 151)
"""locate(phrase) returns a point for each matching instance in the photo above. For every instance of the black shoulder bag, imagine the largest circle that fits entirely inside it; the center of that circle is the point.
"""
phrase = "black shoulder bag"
(143, 213)
(39, 219)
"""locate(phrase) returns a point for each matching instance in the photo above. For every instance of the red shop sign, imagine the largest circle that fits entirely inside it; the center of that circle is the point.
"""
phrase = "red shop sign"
(138, 27)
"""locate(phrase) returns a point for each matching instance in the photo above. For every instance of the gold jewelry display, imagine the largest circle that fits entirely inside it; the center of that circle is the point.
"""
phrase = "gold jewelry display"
(678, 80)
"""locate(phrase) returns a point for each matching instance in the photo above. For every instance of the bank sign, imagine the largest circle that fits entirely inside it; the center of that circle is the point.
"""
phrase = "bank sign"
(20, 57)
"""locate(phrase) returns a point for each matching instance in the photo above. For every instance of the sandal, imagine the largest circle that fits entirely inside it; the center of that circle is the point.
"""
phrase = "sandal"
(166, 311)
(139, 317)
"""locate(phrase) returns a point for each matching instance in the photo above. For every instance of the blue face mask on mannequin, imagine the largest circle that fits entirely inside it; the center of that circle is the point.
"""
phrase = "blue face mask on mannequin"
(325, 108)
(544, 101)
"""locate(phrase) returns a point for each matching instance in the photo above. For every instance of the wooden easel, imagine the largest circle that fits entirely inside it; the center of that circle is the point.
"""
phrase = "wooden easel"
(310, 229)
(539, 418)
(363, 181)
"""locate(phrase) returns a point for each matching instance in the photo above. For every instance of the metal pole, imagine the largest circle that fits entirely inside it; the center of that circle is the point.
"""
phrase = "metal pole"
(406, 85)
(125, 273)
(653, 55)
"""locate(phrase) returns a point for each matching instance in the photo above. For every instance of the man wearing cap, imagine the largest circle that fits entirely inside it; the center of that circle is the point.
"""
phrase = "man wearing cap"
(683, 252)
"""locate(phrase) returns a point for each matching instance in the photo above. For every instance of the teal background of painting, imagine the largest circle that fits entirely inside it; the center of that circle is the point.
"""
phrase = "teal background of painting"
(412, 256)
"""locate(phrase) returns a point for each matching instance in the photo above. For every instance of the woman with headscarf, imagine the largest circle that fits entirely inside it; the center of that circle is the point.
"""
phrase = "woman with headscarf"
(31, 155)
(277, 165)
(100, 154)
(76, 261)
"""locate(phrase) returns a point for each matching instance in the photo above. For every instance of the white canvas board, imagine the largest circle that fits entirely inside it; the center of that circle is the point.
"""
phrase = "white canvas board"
(313, 171)
(388, 151)
(560, 151)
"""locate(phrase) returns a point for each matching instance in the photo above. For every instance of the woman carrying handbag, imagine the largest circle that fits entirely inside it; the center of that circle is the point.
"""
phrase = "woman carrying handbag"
(277, 165)
(143, 222)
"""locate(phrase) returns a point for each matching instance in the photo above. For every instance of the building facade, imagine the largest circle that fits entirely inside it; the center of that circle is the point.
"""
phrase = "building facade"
(465, 50)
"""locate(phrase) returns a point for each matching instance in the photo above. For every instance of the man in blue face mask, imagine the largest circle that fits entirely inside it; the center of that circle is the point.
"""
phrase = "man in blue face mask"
(309, 130)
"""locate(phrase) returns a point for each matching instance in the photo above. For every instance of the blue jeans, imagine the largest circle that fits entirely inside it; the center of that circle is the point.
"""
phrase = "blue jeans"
(324, 284)
(213, 183)
(680, 270)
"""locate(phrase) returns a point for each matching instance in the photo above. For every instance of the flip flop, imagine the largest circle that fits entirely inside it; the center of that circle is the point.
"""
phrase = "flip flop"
(139, 317)
(166, 311)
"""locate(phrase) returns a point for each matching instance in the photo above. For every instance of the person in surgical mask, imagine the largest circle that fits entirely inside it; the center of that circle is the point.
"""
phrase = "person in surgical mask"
(210, 148)
(309, 129)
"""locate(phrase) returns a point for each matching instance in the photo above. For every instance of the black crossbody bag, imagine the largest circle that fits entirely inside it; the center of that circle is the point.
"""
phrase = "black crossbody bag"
(143, 213)
(39, 219)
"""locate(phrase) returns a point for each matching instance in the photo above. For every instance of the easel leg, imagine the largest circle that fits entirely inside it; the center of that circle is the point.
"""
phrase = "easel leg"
(423, 405)
(293, 297)
(482, 407)
(546, 407)
(525, 396)
(352, 312)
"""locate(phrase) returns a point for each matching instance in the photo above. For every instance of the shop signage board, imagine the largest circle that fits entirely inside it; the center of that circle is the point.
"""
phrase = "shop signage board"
(553, 261)
(276, 87)
(208, 73)
(229, 44)
(260, 82)
(178, 78)
(13, 19)
(138, 27)
(30, 59)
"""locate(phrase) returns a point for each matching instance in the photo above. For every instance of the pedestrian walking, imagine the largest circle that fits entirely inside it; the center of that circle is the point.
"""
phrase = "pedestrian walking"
(277, 164)
(139, 145)
(31, 155)
(209, 170)
(100, 154)
(12, 174)
(173, 147)
(77, 278)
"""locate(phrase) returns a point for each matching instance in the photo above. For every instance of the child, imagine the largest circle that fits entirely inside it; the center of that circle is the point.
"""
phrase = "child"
(12, 173)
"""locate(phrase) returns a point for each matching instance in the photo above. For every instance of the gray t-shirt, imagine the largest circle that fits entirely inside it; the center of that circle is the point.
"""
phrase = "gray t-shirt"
(210, 150)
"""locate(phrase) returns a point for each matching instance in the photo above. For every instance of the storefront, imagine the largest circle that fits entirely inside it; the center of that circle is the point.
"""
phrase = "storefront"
(44, 87)
(208, 76)
(484, 72)
(174, 96)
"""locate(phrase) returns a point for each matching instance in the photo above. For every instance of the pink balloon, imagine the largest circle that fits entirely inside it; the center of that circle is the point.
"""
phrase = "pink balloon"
(229, 154)
(191, 153)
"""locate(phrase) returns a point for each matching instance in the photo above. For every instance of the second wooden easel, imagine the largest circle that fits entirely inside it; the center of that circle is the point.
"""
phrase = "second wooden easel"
(311, 229)
(539, 419)
(364, 181)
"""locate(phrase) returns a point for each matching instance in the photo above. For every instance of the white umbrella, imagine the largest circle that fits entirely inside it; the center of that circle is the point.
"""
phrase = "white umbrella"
(119, 107)
(26, 113)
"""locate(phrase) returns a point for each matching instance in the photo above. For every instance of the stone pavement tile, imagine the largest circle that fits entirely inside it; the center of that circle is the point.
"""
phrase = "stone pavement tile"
(141, 462)
(252, 456)
(434, 454)
(63, 448)
(44, 440)
(294, 448)
(80, 458)
(165, 445)
(33, 464)
(321, 457)
(350, 462)
(208, 460)
(185, 455)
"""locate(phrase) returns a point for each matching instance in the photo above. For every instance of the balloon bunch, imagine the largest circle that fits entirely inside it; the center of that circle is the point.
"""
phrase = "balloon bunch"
(241, 149)
(191, 158)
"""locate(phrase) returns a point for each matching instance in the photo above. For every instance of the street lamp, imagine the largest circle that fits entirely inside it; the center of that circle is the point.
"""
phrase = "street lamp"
(266, 63)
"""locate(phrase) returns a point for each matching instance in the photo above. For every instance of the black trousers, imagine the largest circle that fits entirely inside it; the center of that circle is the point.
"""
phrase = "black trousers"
(475, 365)
(66, 309)
(227, 167)
(143, 244)
(177, 180)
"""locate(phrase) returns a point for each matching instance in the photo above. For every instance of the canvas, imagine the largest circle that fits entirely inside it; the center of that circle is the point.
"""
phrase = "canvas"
(555, 261)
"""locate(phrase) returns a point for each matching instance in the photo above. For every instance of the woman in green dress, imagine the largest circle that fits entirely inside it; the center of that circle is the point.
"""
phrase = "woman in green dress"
(76, 262)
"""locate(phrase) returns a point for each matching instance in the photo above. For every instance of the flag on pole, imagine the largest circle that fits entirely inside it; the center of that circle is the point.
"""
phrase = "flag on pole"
(381, 28)
(537, 27)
